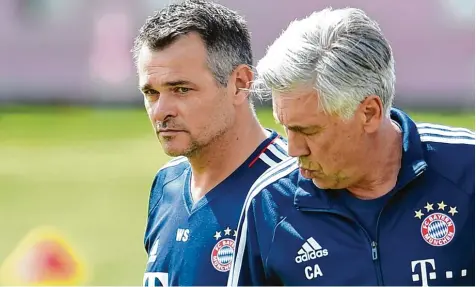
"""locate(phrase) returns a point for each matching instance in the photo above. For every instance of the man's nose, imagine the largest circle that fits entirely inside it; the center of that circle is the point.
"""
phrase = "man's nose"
(297, 145)
(164, 108)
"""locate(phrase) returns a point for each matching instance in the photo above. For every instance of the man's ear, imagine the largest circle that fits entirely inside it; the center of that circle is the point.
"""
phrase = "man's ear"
(371, 113)
(243, 76)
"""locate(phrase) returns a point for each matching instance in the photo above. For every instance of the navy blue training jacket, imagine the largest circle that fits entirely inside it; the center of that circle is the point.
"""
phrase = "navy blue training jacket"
(293, 233)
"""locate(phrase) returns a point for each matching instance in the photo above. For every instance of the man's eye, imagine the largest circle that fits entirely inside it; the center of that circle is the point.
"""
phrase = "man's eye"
(181, 90)
(151, 95)
(151, 92)
(303, 131)
(310, 133)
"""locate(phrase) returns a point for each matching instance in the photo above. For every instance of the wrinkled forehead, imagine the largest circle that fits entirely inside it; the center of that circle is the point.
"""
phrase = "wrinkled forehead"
(181, 61)
(294, 105)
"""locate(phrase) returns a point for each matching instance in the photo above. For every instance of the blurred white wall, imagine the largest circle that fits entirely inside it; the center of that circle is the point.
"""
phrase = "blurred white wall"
(78, 50)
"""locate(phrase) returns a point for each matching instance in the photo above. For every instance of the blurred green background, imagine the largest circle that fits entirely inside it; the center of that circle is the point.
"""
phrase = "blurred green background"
(88, 172)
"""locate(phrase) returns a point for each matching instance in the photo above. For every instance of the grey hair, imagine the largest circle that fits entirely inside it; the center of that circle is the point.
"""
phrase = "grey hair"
(340, 53)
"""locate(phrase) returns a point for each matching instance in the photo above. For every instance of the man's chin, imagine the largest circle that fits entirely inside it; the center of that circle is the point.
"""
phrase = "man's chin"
(175, 151)
(323, 183)
(319, 183)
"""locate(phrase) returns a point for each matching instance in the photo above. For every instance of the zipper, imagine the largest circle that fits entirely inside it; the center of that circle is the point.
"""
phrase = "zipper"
(378, 267)
(374, 251)
(376, 262)
(373, 244)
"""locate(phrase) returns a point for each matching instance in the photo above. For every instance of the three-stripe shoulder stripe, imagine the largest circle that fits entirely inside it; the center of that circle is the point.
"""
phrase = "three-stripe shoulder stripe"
(279, 154)
(266, 159)
(281, 143)
(275, 151)
(270, 176)
(174, 162)
(444, 134)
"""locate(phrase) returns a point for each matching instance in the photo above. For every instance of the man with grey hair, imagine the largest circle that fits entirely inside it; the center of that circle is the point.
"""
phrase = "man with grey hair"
(371, 197)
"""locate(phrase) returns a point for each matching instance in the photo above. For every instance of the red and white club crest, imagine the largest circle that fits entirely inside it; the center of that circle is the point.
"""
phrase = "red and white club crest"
(438, 229)
(222, 254)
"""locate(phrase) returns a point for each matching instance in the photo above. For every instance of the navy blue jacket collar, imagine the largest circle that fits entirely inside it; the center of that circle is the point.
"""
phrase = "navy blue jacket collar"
(413, 164)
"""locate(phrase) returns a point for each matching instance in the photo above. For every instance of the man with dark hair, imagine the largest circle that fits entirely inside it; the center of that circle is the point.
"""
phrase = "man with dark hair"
(194, 65)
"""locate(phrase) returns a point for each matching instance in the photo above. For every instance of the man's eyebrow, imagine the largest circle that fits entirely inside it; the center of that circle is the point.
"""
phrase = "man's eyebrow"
(145, 87)
(295, 128)
(148, 87)
(177, 83)
(303, 129)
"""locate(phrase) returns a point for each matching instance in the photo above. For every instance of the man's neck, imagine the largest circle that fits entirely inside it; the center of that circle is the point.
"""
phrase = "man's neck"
(383, 164)
(220, 159)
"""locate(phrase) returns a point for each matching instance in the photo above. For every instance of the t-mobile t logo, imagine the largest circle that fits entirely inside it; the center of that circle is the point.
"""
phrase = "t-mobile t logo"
(424, 276)
(424, 270)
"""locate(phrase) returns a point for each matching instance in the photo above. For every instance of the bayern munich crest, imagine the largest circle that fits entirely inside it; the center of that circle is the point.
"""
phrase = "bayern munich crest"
(437, 227)
(224, 249)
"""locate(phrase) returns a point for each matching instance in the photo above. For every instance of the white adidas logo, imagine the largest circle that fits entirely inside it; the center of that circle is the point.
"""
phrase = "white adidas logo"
(310, 250)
